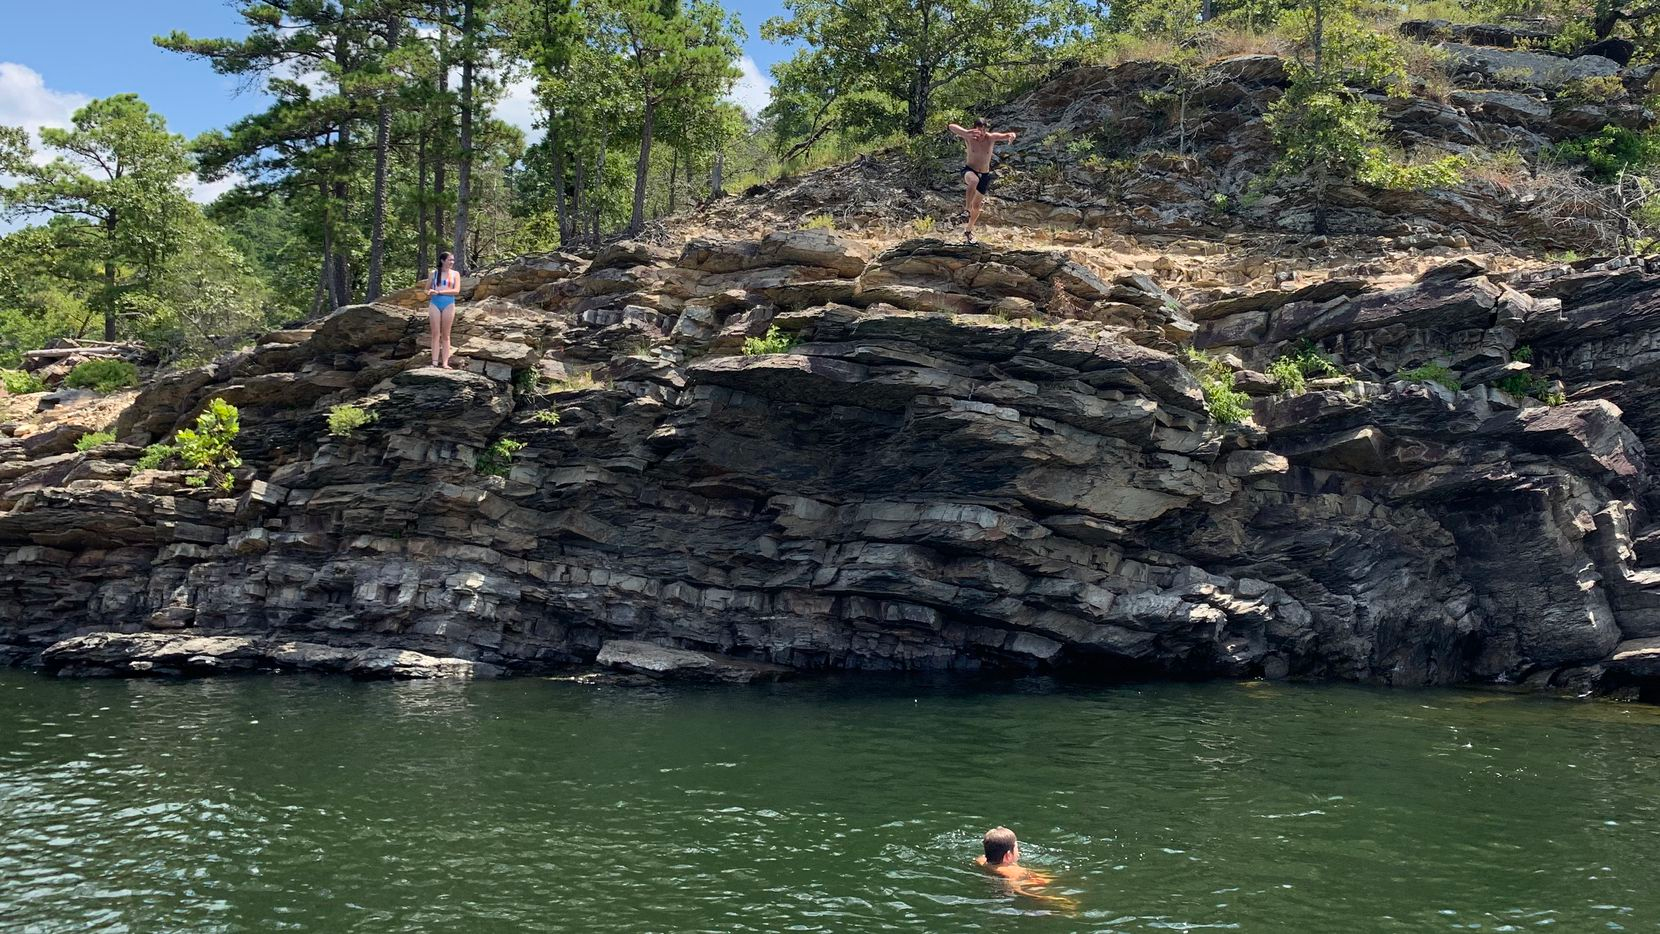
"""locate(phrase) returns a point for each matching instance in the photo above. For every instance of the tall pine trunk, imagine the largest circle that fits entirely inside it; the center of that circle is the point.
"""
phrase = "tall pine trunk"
(714, 176)
(421, 206)
(636, 220)
(109, 276)
(556, 147)
(441, 144)
(464, 177)
(598, 183)
(383, 140)
(579, 197)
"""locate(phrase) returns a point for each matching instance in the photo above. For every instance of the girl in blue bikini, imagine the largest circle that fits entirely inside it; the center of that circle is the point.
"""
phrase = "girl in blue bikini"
(442, 289)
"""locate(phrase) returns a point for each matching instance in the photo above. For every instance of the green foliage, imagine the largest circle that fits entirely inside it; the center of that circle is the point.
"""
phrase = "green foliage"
(19, 382)
(524, 382)
(1288, 374)
(104, 375)
(497, 459)
(874, 67)
(546, 416)
(112, 179)
(345, 419)
(154, 456)
(1293, 370)
(1527, 384)
(1224, 403)
(1432, 373)
(1594, 89)
(1381, 171)
(775, 341)
(1523, 353)
(820, 222)
(923, 226)
(94, 439)
(1611, 151)
(208, 446)
(196, 480)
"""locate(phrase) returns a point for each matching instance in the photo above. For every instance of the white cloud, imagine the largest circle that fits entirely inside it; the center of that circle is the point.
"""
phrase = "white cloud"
(207, 192)
(753, 91)
(518, 106)
(26, 101)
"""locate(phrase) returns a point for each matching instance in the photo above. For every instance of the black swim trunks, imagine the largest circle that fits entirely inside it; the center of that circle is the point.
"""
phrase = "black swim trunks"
(983, 180)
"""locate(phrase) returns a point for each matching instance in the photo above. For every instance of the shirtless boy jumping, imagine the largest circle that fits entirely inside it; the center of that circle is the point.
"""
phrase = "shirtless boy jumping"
(977, 174)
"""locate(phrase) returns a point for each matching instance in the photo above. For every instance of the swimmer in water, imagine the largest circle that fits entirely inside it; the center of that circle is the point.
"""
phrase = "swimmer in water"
(1002, 859)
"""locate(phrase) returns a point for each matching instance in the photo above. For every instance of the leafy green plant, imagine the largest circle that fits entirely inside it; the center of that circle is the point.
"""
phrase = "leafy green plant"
(1432, 373)
(208, 446)
(775, 341)
(497, 459)
(154, 456)
(1593, 89)
(18, 382)
(1523, 353)
(1527, 384)
(1612, 150)
(196, 480)
(524, 381)
(1225, 403)
(922, 226)
(820, 222)
(1288, 374)
(103, 375)
(546, 416)
(95, 439)
(1293, 370)
(345, 419)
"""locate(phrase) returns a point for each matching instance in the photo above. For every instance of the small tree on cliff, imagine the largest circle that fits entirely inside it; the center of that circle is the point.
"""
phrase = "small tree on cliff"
(1323, 126)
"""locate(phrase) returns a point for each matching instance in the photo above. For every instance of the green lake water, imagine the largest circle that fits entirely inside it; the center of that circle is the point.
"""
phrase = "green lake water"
(307, 804)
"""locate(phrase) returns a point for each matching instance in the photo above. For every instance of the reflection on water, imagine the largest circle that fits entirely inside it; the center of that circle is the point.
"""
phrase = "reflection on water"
(855, 805)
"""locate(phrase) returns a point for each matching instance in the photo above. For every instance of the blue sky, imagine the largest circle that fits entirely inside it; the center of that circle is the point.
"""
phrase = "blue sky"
(55, 55)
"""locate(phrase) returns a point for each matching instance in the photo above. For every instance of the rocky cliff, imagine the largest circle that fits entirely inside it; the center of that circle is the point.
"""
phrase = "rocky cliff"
(967, 456)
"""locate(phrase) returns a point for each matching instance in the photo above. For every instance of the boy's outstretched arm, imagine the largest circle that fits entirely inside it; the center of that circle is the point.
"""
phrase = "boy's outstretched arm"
(1004, 137)
(956, 130)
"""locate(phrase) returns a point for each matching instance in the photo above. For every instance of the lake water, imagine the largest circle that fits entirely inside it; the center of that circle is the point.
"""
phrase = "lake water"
(306, 804)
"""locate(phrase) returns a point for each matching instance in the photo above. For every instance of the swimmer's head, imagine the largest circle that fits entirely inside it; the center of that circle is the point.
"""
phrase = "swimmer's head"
(1001, 846)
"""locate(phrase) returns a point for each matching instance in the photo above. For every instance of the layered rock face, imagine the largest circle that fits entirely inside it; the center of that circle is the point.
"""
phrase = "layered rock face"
(970, 458)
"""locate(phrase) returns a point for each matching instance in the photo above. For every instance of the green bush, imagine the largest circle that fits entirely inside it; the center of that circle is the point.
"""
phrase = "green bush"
(546, 416)
(154, 456)
(95, 439)
(498, 457)
(345, 419)
(1225, 403)
(1610, 151)
(1523, 353)
(104, 375)
(524, 381)
(18, 383)
(1432, 373)
(1526, 384)
(820, 222)
(1293, 370)
(1594, 89)
(776, 341)
(208, 446)
(1288, 374)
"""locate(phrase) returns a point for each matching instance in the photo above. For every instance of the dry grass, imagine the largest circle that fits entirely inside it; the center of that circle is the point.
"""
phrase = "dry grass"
(1122, 49)
(1505, 168)
(1223, 43)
